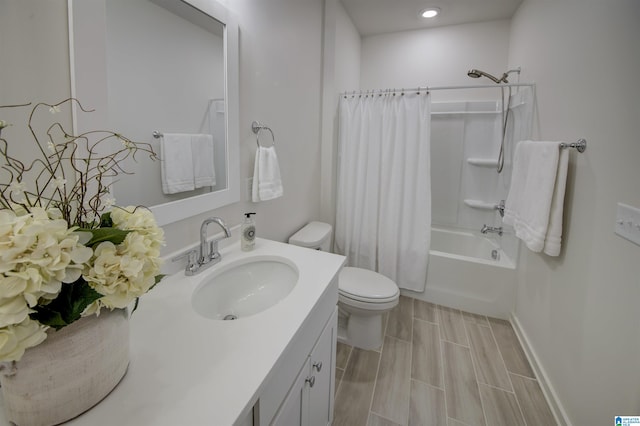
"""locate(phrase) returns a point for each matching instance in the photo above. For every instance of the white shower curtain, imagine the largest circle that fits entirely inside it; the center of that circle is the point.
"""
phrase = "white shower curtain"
(383, 206)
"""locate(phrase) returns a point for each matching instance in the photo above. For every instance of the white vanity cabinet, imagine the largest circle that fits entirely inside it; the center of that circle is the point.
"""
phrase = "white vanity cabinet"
(301, 389)
(322, 366)
(310, 399)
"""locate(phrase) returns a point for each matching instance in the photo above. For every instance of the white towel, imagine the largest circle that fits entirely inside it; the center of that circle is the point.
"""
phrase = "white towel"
(176, 164)
(204, 173)
(534, 205)
(267, 184)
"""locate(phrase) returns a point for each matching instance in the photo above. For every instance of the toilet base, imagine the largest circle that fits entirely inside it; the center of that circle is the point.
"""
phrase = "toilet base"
(364, 332)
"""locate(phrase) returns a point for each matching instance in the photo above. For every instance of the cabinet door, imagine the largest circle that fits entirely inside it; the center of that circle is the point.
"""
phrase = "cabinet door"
(322, 367)
(294, 410)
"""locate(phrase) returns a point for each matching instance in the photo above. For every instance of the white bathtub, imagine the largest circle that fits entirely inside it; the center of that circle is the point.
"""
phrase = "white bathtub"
(463, 275)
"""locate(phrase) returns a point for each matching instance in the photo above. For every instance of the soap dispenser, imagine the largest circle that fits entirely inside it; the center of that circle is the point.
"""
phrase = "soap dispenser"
(248, 234)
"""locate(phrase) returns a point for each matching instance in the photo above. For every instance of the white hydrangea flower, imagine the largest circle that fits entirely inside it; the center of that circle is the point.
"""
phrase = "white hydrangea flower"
(140, 220)
(38, 252)
(90, 217)
(13, 310)
(59, 182)
(17, 187)
(15, 339)
(124, 272)
(108, 202)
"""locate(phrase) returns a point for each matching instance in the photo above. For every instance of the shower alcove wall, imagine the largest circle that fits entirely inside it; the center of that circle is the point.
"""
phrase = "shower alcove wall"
(467, 269)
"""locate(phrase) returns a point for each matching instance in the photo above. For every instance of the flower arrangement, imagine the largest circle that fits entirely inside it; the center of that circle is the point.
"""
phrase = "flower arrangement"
(65, 250)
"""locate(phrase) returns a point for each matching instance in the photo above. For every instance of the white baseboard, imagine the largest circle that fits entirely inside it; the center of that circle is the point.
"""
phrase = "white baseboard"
(543, 379)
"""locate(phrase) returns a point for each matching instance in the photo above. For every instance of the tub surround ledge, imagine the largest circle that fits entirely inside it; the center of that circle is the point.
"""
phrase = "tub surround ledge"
(186, 369)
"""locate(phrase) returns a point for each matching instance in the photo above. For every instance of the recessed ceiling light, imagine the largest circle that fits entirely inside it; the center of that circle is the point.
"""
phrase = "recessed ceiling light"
(430, 12)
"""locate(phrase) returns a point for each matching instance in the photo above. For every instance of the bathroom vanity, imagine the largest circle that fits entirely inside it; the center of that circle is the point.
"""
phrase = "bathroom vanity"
(273, 367)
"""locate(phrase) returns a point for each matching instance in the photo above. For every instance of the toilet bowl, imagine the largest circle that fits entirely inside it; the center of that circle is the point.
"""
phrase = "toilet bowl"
(363, 295)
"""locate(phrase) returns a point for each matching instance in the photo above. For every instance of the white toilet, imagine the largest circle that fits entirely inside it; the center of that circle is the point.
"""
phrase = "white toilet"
(363, 296)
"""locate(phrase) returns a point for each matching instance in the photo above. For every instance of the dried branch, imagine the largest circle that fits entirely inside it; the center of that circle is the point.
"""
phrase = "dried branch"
(82, 198)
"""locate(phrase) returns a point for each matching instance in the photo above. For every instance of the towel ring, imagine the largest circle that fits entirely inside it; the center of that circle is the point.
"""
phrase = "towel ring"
(257, 127)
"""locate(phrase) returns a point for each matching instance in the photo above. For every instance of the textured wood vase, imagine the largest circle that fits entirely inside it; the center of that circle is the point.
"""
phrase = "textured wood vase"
(70, 372)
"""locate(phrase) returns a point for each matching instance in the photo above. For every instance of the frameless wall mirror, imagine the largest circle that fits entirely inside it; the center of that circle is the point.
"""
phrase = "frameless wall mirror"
(164, 72)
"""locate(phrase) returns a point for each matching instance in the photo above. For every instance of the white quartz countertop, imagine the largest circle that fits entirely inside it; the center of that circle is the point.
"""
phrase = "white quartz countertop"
(188, 370)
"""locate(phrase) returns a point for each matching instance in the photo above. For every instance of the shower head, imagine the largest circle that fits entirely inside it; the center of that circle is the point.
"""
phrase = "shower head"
(474, 73)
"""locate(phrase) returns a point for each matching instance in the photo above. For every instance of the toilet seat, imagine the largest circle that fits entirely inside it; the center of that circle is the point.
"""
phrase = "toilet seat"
(362, 285)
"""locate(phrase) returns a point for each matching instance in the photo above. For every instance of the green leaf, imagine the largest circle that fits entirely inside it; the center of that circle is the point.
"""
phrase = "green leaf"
(106, 221)
(135, 306)
(115, 235)
(67, 307)
(46, 316)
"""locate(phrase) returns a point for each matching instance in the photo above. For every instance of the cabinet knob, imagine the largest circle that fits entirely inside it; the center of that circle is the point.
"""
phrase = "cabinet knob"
(311, 380)
(317, 366)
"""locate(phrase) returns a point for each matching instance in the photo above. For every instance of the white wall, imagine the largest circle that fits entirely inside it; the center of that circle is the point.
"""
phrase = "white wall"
(580, 310)
(341, 61)
(347, 52)
(35, 71)
(436, 57)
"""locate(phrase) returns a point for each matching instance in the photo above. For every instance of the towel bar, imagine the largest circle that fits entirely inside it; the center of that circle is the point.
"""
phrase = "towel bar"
(581, 145)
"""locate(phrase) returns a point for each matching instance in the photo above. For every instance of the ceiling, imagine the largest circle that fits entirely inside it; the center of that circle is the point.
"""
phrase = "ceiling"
(384, 16)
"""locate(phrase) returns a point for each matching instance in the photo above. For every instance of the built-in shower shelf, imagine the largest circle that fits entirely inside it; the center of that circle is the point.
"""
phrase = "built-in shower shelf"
(483, 162)
(481, 205)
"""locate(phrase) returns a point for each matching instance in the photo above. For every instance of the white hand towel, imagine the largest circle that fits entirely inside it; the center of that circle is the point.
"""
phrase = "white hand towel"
(267, 184)
(204, 173)
(176, 163)
(554, 231)
(534, 205)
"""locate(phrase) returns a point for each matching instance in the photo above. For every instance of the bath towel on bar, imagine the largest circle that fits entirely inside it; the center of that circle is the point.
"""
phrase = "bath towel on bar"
(535, 201)
(176, 164)
(267, 184)
(204, 173)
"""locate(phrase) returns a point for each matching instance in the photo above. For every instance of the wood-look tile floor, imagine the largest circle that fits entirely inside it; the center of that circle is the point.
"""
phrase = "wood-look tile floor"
(442, 367)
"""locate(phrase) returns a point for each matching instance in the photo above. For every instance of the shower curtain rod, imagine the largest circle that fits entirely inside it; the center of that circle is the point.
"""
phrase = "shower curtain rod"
(427, 88)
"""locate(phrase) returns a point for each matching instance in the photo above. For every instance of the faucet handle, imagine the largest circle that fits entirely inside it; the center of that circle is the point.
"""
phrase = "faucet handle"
(213, 250)
(191, 256)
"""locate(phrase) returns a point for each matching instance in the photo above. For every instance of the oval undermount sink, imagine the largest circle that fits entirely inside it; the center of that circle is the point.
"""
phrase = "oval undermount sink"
(244, 287)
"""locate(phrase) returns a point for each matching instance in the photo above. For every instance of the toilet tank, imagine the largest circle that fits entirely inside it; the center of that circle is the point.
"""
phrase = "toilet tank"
(314, 235)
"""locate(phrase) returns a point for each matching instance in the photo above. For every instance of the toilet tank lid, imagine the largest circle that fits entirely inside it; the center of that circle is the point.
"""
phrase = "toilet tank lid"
(311, 235)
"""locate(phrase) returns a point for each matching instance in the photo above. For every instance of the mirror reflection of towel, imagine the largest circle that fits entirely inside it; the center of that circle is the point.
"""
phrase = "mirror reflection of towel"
(203, 170)
(176, 164)
(267, 184)
(187, 162)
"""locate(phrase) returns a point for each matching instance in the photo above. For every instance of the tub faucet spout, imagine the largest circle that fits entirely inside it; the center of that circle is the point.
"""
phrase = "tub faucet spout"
(491, 229)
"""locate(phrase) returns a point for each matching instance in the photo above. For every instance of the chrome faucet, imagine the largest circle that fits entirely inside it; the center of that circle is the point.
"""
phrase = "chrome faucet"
(495, 230)
(208, 254)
